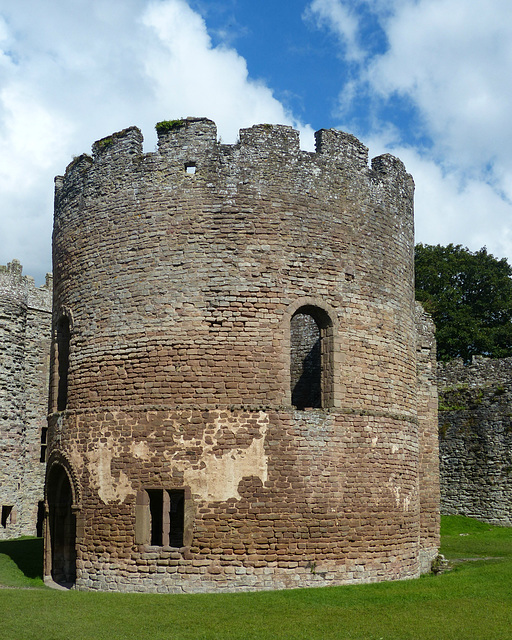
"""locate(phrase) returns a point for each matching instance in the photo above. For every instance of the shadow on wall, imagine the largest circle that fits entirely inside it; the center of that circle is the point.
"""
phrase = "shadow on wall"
(307, 390)
(306, 361)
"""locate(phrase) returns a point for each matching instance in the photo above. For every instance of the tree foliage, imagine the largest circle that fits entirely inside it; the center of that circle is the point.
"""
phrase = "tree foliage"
(469, 295)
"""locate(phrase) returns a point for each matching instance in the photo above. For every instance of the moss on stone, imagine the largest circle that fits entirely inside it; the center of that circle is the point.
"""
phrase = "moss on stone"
(165, 126)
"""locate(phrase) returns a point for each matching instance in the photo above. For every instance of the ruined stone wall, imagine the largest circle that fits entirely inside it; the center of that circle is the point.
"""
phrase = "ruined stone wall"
(25, 329)
(178, 273)
(427, 403)
(475, 439)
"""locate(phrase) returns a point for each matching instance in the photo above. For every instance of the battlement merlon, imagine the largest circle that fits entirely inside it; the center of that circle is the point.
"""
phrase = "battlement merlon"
(189, 135)
(276, 138)
(122, 144)
(190, 139)
(342, 146)
(14, 269)
(391, 169)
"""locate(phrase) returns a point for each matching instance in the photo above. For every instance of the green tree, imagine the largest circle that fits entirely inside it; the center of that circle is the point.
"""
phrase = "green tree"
(469, 295)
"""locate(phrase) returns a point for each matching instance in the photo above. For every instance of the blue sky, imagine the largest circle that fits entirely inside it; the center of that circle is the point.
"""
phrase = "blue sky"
(426, 80)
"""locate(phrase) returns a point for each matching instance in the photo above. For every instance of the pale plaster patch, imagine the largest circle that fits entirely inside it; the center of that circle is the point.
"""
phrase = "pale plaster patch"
(395, 490)
(402, 500)
(99, 459)
(75, 457)
(216, 478)
(140, 450)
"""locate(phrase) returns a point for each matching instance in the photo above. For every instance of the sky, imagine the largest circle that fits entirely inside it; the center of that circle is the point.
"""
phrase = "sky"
(426, 80)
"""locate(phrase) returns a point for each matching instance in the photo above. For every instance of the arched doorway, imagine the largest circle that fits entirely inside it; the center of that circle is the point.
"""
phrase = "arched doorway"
(61, 527)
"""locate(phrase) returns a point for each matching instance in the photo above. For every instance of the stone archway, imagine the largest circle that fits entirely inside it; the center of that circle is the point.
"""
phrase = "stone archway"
(61, 527)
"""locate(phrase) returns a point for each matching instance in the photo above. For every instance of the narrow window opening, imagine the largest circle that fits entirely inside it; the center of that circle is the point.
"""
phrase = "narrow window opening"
(63, 339)
(311, 358)
(176, 517)
(156, 516)
(6, 515)
(306, 365)
(40, 519)
(44, 435)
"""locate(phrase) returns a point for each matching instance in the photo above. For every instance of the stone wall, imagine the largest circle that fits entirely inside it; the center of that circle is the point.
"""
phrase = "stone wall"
(475, 439)
(25, 329)
(427, 405)
(177, 278)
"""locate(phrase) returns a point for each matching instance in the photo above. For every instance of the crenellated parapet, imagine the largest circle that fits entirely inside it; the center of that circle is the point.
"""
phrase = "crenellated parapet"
(266, 150)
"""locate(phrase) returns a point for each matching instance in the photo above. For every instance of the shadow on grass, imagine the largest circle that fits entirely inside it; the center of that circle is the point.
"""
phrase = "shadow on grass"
(27, 553)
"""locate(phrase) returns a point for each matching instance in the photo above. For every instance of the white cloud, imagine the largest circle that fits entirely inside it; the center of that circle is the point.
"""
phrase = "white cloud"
(450, 209)
(342, 21)
(87, 68)
(191, 77)
(452, 59)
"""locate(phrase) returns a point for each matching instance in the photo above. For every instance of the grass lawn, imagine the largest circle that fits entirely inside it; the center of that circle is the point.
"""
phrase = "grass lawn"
(473, 601)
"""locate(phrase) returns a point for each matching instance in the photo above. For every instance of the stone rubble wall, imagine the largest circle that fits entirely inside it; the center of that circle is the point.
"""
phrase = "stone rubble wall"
(25, 327)
(428, 432)
(179, 272)
(280, 499)
(475, 439)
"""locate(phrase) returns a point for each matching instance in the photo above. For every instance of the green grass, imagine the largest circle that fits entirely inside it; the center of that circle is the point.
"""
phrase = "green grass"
(21, 563)
(464, 537)
(473, 601)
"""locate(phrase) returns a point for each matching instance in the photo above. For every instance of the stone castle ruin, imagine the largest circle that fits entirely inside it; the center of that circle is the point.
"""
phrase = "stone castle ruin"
(242, 388)
(243, 392)
(25, 330)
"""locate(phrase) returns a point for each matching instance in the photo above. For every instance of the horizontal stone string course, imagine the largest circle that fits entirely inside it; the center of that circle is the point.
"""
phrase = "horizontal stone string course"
(178, 275)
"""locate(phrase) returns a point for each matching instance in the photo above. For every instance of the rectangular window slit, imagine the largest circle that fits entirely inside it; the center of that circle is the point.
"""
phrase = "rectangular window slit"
(166, 522)
(44, 434)
(6, 513)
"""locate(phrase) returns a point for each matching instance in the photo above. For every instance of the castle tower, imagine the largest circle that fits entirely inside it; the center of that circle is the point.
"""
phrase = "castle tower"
(25, 330)
(234, 386)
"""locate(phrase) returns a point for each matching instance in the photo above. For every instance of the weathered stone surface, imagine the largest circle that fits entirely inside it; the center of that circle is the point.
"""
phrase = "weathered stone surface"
(428, 433)
(178, 273)
(475, 439)
(25, 328)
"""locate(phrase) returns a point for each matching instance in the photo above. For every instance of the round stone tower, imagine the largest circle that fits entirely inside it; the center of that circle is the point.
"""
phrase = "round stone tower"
(234, 384)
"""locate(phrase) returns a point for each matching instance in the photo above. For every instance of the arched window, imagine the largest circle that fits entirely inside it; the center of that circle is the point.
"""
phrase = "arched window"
(311, 360)
(62, 345)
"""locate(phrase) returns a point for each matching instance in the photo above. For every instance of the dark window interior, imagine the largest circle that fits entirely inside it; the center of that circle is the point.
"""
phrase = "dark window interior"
(311, 358)
(306, 366)
(167, 515)
(63, 338)
(6, 512)
(44, 434)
